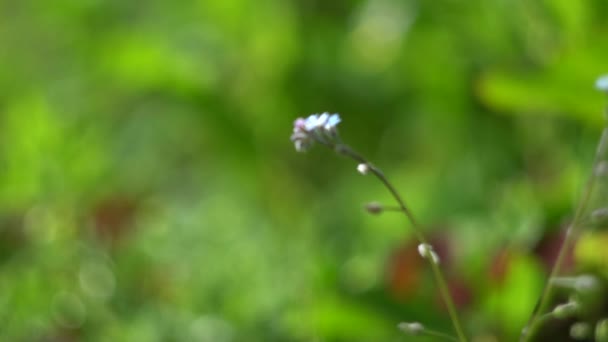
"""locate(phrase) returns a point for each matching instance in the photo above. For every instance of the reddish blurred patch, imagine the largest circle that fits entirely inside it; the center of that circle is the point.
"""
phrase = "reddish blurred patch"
(63, 335)
(403, 271)
(548, 249)
(113, 217)
(443, 247)
(405, 266)
(499, 266)
(461, 293)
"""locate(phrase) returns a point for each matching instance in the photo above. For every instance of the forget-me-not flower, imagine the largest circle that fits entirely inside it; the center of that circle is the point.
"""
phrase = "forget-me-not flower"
(316, 127)
(602, 83)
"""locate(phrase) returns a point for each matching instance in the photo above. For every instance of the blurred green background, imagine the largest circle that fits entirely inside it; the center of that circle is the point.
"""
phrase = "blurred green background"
(149, 190)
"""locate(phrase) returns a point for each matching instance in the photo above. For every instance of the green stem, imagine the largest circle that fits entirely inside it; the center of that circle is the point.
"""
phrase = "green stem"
(573, 230)
(447, 299)
(549, 289)
(439, 334)
(439, 278)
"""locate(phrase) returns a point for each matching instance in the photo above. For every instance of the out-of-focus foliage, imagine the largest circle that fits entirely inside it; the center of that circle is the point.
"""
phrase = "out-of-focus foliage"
(149, 191)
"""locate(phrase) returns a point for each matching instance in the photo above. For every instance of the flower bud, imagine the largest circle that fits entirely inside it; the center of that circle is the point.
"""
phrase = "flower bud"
(424, 249)
(413, 328)
(599, 215)
(363, 168)
(565, 310)
(586, 283)
(601, 169)
(435, 258)
(299, 125)
(601, 330)
(580, 330)
(374, 208)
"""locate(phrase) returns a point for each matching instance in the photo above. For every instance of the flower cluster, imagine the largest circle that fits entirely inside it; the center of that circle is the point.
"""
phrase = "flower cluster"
(317, 127)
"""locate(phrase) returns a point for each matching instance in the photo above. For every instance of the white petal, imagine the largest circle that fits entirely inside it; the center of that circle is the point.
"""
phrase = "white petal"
(322, 119)
(332, 122)
(311, 122)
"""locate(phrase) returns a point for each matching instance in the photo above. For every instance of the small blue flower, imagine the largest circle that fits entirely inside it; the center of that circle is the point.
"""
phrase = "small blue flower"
(332, 122)
(602, 83)
(316, 121)
(322, 119)
(316, 127)
(310, 123)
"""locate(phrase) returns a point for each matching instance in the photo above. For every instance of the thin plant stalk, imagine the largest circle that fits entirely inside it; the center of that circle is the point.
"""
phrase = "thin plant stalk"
(439, 278)
(440, 335)
(572, 232)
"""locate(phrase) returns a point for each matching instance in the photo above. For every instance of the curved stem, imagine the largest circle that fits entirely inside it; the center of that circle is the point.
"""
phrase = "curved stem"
(439, 278)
